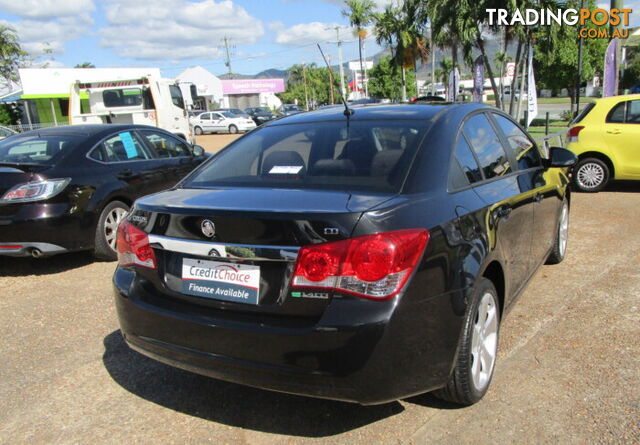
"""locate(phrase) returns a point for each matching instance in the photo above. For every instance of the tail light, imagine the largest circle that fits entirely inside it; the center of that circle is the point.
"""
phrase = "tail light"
(372, 266)
(572, 134)
(133, 247)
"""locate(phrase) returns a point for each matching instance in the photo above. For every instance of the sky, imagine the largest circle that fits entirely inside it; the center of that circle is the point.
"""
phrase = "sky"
(176, 34)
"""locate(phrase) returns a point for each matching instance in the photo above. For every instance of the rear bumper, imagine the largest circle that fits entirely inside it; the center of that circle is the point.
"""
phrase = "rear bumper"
(359, 351)
(49, 227)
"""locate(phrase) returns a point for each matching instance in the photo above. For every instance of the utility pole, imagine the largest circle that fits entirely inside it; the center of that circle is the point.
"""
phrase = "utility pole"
(330, 79)
(433, 63)
(339, 43)
(306, 95)
(228, 56)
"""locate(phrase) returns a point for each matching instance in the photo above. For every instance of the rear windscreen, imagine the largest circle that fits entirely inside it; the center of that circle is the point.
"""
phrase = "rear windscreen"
(360, 155)
(583, 113)
(35, 149)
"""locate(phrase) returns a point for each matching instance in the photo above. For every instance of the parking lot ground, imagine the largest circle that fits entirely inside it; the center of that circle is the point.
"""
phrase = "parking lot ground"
(213, 143)
(568, 366)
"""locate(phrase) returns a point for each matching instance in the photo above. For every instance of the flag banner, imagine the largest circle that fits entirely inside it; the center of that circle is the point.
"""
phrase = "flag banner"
(454, 82)
(478, 79)
(610, 87)
(532, 96)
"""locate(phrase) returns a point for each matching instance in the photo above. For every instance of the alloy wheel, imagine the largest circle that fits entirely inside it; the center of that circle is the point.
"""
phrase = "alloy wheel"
(484, 342)
(111, 225)
(590, 175)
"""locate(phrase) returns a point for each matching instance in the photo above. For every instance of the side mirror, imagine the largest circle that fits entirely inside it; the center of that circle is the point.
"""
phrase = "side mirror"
(197, 151)
(561, 157)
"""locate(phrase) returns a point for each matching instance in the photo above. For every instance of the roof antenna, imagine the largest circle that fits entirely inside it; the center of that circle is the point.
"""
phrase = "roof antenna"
(347, 111)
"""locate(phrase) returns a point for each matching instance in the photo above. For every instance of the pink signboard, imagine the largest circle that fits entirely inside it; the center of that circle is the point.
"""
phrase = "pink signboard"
(252, 86)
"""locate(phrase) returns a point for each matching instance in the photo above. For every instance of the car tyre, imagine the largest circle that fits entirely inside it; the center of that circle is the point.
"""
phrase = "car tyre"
(197, 130)
(478, 348)
(233, 129)
(591, 175)
(562, 236)
(106, 230)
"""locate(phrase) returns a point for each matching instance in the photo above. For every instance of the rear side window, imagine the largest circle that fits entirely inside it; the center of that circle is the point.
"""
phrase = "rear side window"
(166, 146)
(120, 148)
(524, 150)
(465, 168)
(616, 115)
(357, 155)
(487, 146)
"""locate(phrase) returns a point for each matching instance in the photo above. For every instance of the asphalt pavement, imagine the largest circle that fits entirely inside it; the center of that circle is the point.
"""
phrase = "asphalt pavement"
(567, 370)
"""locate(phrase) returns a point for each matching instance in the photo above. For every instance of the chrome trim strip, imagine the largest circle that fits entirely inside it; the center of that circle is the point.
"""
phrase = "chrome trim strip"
(225, 250)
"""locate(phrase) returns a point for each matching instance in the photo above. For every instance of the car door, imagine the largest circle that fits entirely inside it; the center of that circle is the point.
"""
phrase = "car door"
(173, 153)
(508, 199)
(218, 122)
(621, 134)
(540, 185)
(130, 163)
(204, 120)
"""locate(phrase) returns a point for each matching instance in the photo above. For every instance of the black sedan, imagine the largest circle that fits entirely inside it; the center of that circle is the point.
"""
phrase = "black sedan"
(364, 256)
(260, 115)
(67, 188)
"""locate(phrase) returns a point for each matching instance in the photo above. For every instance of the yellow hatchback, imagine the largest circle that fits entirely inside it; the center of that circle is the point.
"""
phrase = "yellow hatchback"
(606, 138)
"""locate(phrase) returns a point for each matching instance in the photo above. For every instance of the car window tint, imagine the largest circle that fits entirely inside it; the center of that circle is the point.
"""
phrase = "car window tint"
(524, 150)
(633, 112)
(120, 148)
(487, 146)
(616, 115)
(365, 155)
(166, 146)
(466, 162)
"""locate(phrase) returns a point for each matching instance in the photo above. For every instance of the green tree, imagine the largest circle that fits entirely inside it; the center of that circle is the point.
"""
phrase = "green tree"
(402, 29)
(317, 89)
(385, 81)
(632, 71)
(11, 54)
(556, 60)
(9, 114)
(360, 14)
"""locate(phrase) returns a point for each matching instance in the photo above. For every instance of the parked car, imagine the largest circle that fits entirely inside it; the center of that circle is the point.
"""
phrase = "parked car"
(5, 132)
(221, 122)
(605, 137)
(365, 258)
(67, 188)
(289, 109)
(260, 115)
(237, 111)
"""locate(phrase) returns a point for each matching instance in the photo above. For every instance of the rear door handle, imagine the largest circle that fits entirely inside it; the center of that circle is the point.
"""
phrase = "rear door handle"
(615, 131)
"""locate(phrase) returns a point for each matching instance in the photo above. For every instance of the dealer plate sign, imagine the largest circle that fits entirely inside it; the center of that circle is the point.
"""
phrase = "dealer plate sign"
(239, 283)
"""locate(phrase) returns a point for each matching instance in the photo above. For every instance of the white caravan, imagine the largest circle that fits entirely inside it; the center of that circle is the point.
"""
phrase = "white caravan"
(143, 101)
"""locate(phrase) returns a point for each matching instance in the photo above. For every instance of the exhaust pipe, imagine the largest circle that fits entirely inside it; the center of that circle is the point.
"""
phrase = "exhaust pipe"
(36, 253)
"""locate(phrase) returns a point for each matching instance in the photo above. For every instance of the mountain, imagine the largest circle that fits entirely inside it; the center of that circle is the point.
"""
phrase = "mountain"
(271, 73)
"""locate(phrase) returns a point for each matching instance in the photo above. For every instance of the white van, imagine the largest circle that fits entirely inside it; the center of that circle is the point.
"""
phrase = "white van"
(142, 101)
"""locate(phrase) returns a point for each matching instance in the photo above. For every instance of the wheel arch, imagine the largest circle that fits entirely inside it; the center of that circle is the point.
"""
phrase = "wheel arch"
(495, 273)
(601, 156)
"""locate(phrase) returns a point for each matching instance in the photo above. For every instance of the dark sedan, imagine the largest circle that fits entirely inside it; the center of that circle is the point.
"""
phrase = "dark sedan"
(67, 188)
(364, 256)
(260, 115)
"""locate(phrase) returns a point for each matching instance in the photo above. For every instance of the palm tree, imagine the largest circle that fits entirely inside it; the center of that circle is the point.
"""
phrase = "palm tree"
(11, 54)
(402, 29)
(360, 13)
